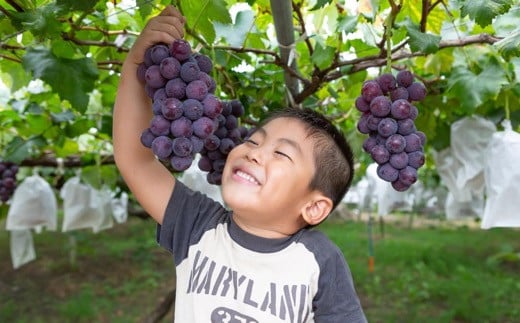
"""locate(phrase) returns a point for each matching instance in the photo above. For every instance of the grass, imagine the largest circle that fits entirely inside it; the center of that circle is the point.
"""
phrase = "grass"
(429, 274)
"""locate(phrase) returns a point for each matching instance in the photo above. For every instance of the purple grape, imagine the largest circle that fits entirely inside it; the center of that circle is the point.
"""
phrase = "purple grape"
(387, 127)
(160, 126)
(160, 94)
(192, 108)
(221, 120)
(362, 124)
(211, 142)
(170, 68)
(400, 109)
(237, 109)
(231, 122)
(212, 106)
(182, 146)
(181, 127)
(197, 143)
(399, 93)
(226, 108)
(172, 108)
(362, 105)
(148, 57)
(380, 106)
(373, 122)
(204, 62)
(150, 91)
(141, 71)
(196, 90)
(370, 90)
(180, 49)
(400, 186)
(416, 159)
(154, 78)
(405, 127)
(176, 88)
(218, 165)
(210, 82)
(386, 82)
(214, 178)
(416, 91)
(226, 145)
(157, 107)
(189, 71)
(387, 173)
(203, 127)
(162, 147)
(395, 144)
(243, 131)
(159, 52)
(180, 164)
(215, 154)
(413, 143)
(414, 112)
(408, 175)
(235, 135)
(404, 78)
(380, 154)
(422, 136)
(205, 164)
(9, 182)
(147, 137)
(399, 161)
(221, 132)
(369, 143)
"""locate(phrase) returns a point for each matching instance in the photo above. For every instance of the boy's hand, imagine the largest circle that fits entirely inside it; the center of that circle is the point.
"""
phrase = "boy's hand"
(164, 28)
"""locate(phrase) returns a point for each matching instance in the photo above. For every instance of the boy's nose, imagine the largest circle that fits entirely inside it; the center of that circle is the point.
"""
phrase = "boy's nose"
(255, 155)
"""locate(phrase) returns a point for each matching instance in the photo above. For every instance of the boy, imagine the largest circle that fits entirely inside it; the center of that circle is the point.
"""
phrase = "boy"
(259, 262)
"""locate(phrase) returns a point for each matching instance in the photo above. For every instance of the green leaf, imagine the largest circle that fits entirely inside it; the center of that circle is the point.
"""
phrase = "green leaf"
(73, 79)
(13, 75)
(423, 42)
(43, 21)
(236, 33)
(62, 116)
(200, 15)
(145, 7)
(323, 56)
(79, 127)
(19, 149)
(347, 24)
(483, 11)
(472, 89)
(510, 46)
(321, 3)
(38, 123)
(72, 5)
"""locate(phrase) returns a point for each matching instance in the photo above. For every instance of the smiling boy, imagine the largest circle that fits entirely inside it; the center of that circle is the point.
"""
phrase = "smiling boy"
(257, 260)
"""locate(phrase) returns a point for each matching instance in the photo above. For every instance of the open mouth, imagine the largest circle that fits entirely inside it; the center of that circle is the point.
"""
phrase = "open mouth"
(246, 177)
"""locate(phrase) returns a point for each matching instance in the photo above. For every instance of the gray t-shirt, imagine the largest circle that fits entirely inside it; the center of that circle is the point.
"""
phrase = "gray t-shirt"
(225, 274)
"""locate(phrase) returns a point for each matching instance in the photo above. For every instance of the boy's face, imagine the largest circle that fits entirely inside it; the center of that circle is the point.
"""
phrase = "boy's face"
(266, 179)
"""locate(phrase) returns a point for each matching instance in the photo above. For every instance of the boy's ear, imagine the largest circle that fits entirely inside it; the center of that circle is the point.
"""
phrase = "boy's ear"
(317, 209)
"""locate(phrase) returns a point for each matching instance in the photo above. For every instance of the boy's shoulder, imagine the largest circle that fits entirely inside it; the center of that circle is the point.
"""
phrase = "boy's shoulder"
(319, 243)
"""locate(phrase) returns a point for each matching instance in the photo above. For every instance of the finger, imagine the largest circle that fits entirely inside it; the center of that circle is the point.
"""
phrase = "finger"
(168, 25)
(172, 11)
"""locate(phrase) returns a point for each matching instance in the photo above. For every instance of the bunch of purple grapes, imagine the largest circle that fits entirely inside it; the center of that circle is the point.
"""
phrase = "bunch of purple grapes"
(227, 135)
(8, 171)
(388, 116)
(185, 107)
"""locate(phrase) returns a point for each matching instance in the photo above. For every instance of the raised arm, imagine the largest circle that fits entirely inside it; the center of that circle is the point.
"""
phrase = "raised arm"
(147, 178)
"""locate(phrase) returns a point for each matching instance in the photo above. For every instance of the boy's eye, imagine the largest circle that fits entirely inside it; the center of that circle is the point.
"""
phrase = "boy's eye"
(282, 154)
(249, 140)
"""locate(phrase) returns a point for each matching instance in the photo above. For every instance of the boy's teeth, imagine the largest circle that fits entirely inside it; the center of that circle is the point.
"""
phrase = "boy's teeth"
(247, 177)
